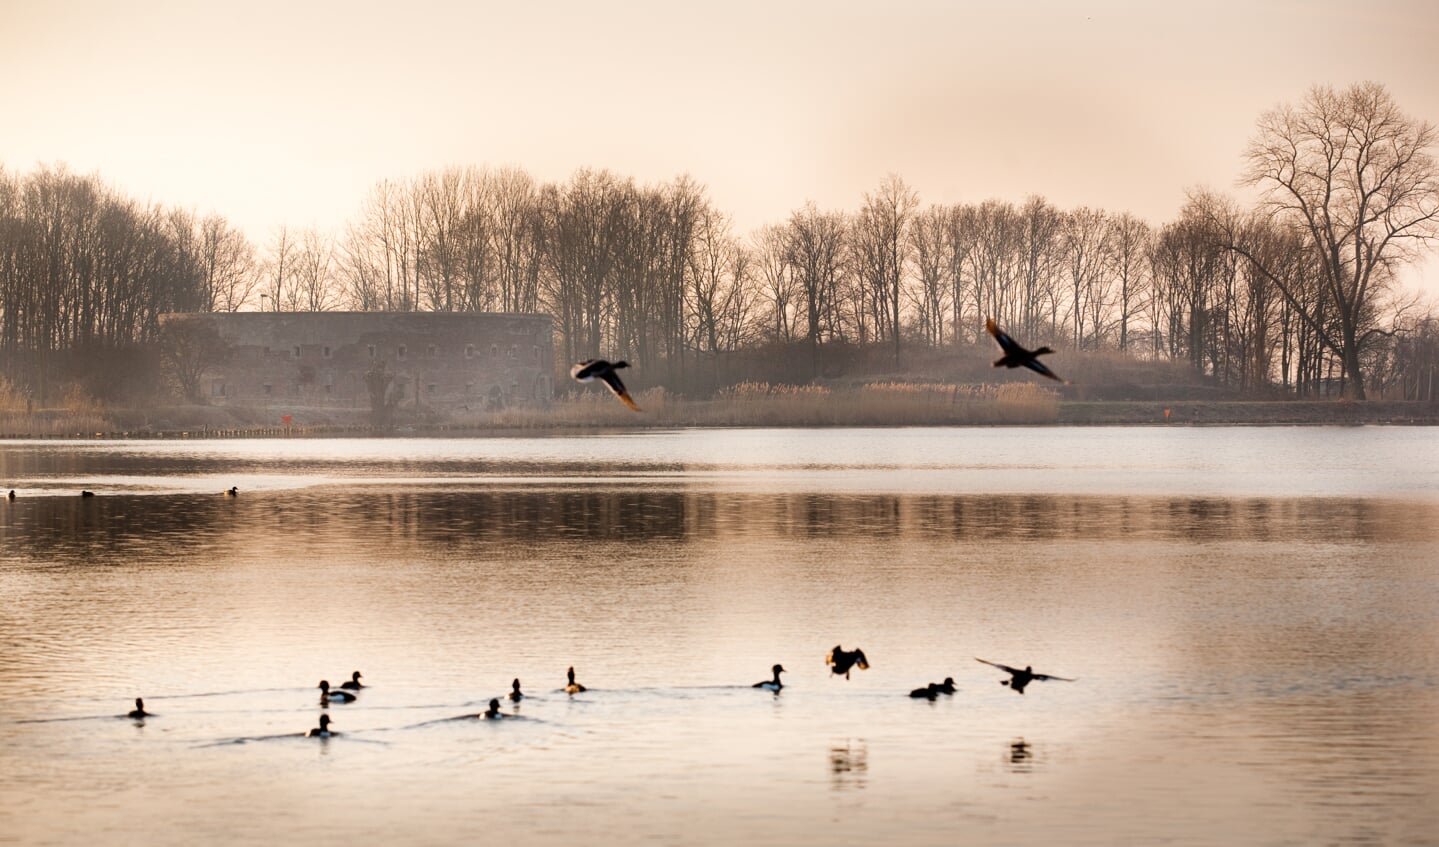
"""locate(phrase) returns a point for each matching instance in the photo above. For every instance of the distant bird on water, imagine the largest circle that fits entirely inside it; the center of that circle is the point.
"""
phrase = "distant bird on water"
(1016, 356)
(11, 495)
(323, 730)
(1018, 679)
(232, 491)
(493, 711)
(841, 660)
(87, 494)
(334, 695)
(139, 710)
(573, 687)
(929, 692)
(592, 369)
(353, 683)
(515, 694)
(946, 687)
(772, 684)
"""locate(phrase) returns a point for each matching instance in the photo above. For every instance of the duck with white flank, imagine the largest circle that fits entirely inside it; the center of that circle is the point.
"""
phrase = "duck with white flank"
(841, 660)
(572, 687)
(334, 695)
(772, 684)
(353, 683)
(515, 694)
(323, 730)
(493, 712)
(1018, 679)
(139, 713)
(592, 369)
(1016, 356)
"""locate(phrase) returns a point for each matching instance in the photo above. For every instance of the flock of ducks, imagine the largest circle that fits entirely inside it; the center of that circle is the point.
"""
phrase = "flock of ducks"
(839, 660)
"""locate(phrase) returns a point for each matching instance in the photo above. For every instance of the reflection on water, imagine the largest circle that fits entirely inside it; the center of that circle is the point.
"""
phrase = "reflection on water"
(848, 764)
(1255, 643)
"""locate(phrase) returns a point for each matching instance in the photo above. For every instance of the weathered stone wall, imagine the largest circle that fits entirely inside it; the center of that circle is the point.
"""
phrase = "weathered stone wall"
(441, 360)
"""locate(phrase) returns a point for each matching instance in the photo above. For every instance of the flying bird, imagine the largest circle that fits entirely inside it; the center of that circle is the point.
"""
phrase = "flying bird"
(841, 660)
(1018, 679)
(1016, 356)
(592, 369)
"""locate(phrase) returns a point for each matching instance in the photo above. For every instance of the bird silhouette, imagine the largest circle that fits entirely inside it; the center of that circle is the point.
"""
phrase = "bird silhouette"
(929, 692)
(592, 369)
(841, 660)
(493, 712)
(772, 684)
(232, 491)
(515, 694)
(323, 730)
(572, 687)
(328, 694)
(1016, 356)
(1018, 679)
(353, 683)
(139, 711)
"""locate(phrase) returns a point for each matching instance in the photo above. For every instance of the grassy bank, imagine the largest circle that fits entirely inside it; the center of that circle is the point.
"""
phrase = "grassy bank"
(750, 404)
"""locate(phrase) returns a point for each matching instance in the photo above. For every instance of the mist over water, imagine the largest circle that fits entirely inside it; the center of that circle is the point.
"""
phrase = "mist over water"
(1252, 616)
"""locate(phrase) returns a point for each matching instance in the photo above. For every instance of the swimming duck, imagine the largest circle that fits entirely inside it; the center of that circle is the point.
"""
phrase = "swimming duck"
(946, 687)
(87, 494)
(929, 692)
(139, 710)
(573, 687)
(592, 369)
(323, 730)
(1016, 356)
(841, 660)
(515, 694)
(232, 491)
(11, 495)
(1018, 679)
(493, 712)
(772, 684)
(353, 683)
(327, 695)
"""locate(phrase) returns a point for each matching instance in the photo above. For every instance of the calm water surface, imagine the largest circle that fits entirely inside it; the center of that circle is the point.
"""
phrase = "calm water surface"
(1252, 615)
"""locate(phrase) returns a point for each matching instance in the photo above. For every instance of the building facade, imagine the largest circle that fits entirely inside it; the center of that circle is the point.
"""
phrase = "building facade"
(436, 360)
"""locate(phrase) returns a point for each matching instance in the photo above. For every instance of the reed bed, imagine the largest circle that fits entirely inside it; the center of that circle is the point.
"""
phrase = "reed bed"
(765, 404)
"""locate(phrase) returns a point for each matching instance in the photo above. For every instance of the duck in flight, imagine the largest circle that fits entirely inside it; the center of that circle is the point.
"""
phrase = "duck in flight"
(592, 369)
(841, 660)
(353, 683)
(323, 730)
(572, 687)
(1018, 679)
(1016, 356)
(139, 712)
(772, 684)
(334, 695)
(515, 694)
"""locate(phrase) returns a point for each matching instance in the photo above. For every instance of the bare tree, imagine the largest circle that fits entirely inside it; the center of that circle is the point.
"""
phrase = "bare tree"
(228, 260)
(313, 280)
(881, 252)
(1130, 240)
(1355, 175)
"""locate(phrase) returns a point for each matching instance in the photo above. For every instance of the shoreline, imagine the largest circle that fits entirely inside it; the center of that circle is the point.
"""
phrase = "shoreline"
(701, 415)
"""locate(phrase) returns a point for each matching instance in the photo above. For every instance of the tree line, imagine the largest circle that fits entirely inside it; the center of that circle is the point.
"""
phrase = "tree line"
(1294, 294)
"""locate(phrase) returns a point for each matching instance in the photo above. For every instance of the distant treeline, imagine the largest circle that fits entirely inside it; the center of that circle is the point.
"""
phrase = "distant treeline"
(1294, 296)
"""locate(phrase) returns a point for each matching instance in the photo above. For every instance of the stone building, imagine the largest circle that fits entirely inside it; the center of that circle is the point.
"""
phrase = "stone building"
(439, 360)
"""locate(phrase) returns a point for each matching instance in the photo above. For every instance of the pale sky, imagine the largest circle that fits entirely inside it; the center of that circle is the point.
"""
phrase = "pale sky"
(288, 112)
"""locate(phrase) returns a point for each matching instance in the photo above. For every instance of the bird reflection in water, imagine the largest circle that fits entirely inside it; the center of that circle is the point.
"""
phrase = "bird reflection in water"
(1021, 756)
(848, 764)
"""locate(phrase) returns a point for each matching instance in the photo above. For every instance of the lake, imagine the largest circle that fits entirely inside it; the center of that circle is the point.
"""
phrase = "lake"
(1250, 617)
